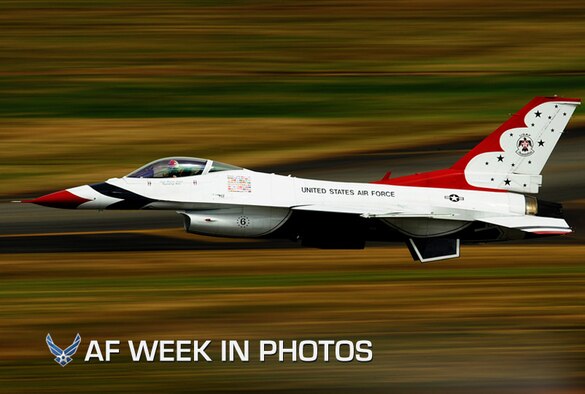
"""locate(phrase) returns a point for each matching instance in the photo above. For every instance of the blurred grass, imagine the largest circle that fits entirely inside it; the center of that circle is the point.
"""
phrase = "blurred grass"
(264, 124)
(143, 38)
(500, 319)
(92, 90)
(405, 97)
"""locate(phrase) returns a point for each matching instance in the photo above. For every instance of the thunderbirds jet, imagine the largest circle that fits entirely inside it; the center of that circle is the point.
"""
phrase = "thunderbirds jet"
(485, 196)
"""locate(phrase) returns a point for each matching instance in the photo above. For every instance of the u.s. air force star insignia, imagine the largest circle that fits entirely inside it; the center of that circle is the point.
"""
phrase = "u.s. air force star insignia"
(454, 198)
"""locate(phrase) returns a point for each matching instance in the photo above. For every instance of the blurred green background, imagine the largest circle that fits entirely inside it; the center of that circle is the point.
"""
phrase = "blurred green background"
(106, 86)
(94, 89)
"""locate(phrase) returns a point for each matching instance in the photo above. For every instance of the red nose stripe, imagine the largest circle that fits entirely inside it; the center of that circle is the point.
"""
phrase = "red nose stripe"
(60, 199)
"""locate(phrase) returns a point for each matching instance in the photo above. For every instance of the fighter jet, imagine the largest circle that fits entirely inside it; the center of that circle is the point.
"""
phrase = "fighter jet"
(485, 196)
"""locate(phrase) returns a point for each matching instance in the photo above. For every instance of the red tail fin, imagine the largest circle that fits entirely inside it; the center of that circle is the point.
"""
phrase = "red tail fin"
(509, 159)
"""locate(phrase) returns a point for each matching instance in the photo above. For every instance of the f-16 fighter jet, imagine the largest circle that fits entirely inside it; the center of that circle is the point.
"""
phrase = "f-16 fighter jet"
(485, 196)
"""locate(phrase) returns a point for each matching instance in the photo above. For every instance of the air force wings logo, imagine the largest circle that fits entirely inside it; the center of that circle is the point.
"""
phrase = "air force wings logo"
(63, 357)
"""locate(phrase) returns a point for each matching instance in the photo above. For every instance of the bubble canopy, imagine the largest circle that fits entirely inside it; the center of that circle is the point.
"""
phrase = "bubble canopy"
(176, 167)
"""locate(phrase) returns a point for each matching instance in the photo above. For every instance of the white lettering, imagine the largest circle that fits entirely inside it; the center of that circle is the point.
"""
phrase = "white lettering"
(234, 348)
(143, 348)
(93, 350)
(183, 347)
(200, 350)
(110, 349)
(282, 350)
(315, 350)
(338, 356)
(166, 346)
(264, 352)
(364, 350)
(326, 344)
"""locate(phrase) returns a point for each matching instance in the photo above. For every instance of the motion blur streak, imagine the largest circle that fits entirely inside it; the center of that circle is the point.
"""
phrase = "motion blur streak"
(488, 324)
(338, 90)
(84, 83)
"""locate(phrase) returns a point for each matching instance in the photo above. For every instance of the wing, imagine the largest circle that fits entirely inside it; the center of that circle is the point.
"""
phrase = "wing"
(70, 351)
(56, 350)
(345, 208)
(372, 212)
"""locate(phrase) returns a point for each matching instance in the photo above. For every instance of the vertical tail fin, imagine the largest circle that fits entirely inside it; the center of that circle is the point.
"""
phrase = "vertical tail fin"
(509, 159)
(513, 156)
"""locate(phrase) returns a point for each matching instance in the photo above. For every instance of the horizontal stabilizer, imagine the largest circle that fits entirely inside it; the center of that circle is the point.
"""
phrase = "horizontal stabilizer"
(433, 249)
(531, 224)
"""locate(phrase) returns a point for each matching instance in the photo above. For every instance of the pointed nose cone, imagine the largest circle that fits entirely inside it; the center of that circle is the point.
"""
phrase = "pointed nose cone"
(61, 199)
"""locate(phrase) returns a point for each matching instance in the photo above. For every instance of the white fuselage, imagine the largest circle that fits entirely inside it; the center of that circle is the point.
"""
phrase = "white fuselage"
(250, 188)
(249, 203)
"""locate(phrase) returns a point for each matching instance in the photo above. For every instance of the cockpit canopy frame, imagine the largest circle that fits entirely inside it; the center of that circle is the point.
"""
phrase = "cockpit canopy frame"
(177, 167)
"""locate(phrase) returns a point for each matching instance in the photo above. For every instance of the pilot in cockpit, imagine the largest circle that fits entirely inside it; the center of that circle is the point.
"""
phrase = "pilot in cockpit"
(174, 169)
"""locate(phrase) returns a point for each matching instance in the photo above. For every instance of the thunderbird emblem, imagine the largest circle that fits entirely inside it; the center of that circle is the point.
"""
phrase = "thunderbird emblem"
(525, 146)
(63, 357)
